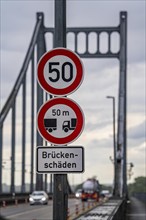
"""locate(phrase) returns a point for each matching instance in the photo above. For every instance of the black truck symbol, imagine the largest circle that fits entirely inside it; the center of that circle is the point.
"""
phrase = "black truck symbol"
(50, 124)
(69, 125)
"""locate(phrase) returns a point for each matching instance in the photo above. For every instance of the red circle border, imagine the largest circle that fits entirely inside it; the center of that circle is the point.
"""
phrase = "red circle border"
(79, 75)
(80, 121)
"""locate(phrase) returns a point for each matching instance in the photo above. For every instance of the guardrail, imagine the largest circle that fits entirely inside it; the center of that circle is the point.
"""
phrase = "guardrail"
(120, 211)
(15, 199)
(9, 199)
(113, 209)
(78, 209)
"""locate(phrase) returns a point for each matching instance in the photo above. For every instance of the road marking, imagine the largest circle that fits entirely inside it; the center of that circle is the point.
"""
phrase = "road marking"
(25, 212)
(139, 214)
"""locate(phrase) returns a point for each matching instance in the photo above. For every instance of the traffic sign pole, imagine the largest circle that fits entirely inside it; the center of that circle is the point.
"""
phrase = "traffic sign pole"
(60, 120)
(60, 198)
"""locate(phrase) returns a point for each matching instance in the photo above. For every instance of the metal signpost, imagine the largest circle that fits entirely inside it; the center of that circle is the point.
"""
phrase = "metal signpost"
(60, 120)
(60, 199)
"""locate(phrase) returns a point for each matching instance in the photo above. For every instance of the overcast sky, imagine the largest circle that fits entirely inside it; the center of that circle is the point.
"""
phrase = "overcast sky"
(101, 76)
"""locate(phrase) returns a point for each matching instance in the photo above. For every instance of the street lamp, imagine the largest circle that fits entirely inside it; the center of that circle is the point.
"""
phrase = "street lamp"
(114, 139)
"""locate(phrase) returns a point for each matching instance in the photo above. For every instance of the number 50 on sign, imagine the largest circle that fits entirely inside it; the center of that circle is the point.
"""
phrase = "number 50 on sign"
(60, 71)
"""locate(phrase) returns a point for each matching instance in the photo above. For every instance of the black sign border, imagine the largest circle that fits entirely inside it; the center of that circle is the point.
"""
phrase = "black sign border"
(60, 172)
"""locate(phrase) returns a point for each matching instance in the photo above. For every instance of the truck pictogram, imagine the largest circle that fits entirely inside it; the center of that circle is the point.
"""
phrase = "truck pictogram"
(50, 124)
(69, 125)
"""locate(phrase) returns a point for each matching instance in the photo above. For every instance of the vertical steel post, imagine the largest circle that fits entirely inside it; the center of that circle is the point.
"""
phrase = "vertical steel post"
(115, 147)
(13, 148)
(114, 142)
(46, 143)
(60, 23)
(32, 124)
(23, 133)
(60, 196)
(51, 183)
(121, 184)
(41, 49)
(45, 183)
(123, 69)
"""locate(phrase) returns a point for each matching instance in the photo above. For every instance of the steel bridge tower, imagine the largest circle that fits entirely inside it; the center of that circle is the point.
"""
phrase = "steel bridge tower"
(36, 49)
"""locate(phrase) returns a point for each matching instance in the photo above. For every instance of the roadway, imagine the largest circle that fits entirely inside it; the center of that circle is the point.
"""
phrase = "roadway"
(136, 210)
(35, 212)
(25, 211)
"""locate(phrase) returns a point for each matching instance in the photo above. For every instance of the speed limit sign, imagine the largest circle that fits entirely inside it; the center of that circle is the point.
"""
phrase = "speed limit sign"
(60, 71)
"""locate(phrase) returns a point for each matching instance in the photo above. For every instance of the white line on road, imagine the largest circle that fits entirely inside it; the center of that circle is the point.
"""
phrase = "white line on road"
(25, 212)
(139, 214)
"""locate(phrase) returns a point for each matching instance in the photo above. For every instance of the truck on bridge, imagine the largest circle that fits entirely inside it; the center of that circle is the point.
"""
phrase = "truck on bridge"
(90, 190)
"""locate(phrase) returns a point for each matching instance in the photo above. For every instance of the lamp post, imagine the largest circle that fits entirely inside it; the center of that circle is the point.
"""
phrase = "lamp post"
(114, 141)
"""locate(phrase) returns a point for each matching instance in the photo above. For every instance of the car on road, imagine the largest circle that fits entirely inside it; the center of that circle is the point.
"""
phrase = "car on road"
(105, 193)
(38, 197)
(78, 193)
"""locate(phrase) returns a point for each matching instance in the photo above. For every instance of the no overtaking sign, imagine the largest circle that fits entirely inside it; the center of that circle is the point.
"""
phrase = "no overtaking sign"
(60, 121)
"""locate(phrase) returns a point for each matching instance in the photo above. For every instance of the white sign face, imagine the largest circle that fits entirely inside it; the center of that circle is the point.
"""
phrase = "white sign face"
(60, 121)
(60, 159)
(65, 119)
(60, 71)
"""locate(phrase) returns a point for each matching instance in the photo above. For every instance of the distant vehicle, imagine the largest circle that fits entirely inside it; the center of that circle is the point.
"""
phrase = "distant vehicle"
(105, 193)
(38, 197)
(90, 190)
(78, 193)
(69, 125)
(50, 124)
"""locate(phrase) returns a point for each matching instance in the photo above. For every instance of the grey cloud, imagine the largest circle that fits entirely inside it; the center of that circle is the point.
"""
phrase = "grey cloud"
(138, 131)
(134, 143)
(102, 143)
(98, 125)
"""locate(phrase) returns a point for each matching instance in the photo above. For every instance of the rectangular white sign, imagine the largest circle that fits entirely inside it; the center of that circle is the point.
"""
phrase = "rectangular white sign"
(60, 159)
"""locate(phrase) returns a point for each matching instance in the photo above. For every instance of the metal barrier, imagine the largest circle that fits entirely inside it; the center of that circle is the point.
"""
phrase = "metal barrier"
(113, 209)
